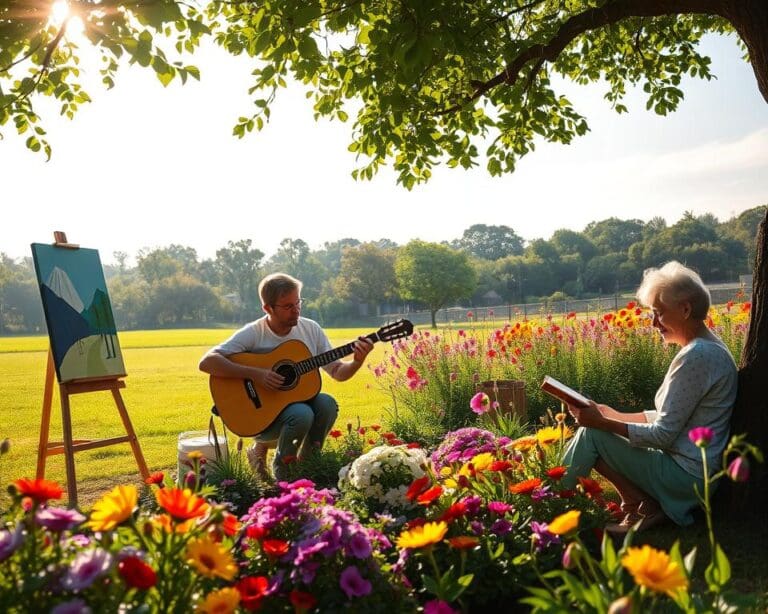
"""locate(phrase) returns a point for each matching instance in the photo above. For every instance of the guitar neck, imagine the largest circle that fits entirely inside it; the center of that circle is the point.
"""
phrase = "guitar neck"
(310, 364)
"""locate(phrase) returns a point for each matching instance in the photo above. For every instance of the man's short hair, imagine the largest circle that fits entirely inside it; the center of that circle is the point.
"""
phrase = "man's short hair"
(675, 283)
(273, 286)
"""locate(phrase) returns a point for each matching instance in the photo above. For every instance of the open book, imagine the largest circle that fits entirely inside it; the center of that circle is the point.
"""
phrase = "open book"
(562, 392)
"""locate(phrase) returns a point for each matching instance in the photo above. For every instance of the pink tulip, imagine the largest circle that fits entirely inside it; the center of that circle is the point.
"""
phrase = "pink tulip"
(738, 470)
(701, 436)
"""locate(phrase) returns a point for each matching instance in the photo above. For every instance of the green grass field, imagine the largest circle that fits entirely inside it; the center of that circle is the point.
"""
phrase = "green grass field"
(165, 395)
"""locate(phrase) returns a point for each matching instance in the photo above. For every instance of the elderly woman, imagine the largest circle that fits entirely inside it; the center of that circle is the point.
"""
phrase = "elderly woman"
(648, 456)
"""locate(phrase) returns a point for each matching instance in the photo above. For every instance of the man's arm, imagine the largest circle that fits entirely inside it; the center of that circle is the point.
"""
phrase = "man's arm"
(218, 364)
(605, 418)
(342, 371)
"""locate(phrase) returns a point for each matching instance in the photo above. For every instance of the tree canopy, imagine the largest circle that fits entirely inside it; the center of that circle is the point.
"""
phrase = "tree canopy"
(428, 82)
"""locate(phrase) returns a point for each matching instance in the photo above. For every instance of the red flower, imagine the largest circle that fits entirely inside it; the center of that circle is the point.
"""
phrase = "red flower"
(275, 547)
(590, 486)
(376, 427)
(411, 373)
(491, 353)
(395, 442)
(457, 510)
(155, 478)
(526, 487)
(413, 444)
(335, 433)
(416, 522)
(745, 307)
(430, 496)
(388, 435)
(571, 315)
(463, 542)
(39, 490)
(301, 601)
(557, 472)
(288, 459)
(614, 510)
(417, 487)
(608, 317)
(631, 305)
(567, 494)
(231, 524)
(254, 531)
(361, 430)
(181, 504)
(252, 590)
(136, 573)
(500, 465)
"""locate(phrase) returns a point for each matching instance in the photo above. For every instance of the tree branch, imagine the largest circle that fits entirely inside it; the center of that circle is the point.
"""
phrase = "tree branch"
(592, 19)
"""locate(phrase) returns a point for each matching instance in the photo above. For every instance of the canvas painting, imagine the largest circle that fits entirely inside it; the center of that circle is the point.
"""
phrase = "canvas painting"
(78, 313)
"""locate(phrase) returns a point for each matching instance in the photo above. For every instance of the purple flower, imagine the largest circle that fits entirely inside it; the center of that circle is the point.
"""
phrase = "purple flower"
(476, 527)
(701, 436)
(359, 546)
(541, 536)
(499, 507)
(10, 540)
(306, 549)
(472, 504)
(738, 470)
(79, 540)
(353, 584)
(58, 519)
(540, 493)
(85, 568)
(76, 606)
(437, 606)
(501, 527)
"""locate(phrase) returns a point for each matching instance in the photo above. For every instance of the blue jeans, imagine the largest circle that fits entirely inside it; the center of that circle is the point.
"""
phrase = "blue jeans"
(300, 429)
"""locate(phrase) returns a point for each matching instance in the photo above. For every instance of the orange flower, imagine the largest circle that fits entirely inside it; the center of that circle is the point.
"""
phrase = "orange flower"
(500, 465)
(39, 490)
(165, 522)
(463, 542)
(155, 478)
(457, 510)
(181, 504)
(231, 524)
(525, 487)
(430, 496)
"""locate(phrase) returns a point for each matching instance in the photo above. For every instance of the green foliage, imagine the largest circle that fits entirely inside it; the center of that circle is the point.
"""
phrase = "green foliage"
(433, 274)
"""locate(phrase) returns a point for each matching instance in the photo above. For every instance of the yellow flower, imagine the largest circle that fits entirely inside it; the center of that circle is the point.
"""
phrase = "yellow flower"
(194, 455)
(445, 471)
(550, 434)
(223, 601)
(524, 443)
(653, 569)
(113, 508)
(564, 523)
(211, 559)
(425, 535)
(479, 462)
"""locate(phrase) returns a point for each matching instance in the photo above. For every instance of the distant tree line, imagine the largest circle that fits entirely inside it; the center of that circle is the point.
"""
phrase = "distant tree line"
(171, 287)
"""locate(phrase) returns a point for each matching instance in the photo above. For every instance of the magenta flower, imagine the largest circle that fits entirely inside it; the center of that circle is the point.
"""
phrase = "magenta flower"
(353, 584)
(499, 507)
(58, 519)
(437, 606)
(480, 403)
(75, 606)
(359, 546)
(701, 436)
(738, 470)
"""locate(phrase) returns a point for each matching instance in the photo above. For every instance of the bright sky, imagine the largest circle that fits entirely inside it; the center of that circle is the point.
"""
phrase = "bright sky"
(145, 166)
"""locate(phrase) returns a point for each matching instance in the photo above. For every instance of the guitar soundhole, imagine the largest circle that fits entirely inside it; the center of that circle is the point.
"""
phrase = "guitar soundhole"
(288, 371)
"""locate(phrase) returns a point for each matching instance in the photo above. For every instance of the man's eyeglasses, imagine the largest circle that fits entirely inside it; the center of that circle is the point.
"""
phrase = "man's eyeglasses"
(291, 306)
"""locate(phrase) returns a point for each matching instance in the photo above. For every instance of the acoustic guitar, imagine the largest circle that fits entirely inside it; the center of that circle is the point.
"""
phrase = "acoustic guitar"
(247, 408)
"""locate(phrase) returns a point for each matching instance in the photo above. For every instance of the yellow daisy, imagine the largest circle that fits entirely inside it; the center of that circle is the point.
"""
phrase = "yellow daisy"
(113, 508)
(551, 434)
(523, 444)
(425, 535)
(654, 569)
(211, 559)
(223, 601)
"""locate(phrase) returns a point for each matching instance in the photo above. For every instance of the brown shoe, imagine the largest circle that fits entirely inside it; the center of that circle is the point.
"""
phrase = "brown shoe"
(257, 459)
(638, 520)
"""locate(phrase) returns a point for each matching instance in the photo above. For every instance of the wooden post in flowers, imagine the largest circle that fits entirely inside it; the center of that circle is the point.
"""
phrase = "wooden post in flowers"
(750, 414)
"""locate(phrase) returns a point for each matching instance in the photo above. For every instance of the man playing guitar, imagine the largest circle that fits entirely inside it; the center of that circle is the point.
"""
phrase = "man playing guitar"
(300, 427)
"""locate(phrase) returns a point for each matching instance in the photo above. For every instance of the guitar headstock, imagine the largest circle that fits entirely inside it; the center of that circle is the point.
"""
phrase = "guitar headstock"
(395, 330)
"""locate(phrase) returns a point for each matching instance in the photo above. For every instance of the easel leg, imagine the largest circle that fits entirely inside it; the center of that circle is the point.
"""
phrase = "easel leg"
(69, 451)
(45, 422)
(132, 439)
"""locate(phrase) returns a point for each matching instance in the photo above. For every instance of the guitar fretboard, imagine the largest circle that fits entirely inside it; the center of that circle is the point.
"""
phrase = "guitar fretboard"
(310, 364)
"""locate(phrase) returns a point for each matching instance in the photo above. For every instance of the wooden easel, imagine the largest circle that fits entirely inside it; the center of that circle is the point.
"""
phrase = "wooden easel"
(69, 446)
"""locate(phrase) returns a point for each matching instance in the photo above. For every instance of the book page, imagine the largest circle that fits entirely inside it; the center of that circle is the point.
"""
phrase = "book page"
(562, 392)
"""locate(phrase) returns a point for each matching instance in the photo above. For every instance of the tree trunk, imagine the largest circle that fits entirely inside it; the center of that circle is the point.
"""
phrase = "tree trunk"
(433, 312)
(750, 414)
(750, 18)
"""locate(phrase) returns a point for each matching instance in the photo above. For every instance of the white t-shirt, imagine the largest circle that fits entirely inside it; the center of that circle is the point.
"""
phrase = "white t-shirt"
(699, 389)
(259, 338)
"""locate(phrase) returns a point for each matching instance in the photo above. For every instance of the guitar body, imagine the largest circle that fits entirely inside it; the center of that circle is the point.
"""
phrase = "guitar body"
(248, 409)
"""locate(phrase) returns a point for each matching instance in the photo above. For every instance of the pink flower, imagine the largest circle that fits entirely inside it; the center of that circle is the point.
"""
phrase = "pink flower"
(701, 436)
(411, 373)
(437, 606)
(480, 403)
(353, 584)
(738, 470)
(470, 315)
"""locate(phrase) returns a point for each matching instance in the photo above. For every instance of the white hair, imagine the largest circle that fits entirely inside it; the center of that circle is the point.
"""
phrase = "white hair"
(675, 283)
